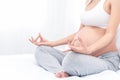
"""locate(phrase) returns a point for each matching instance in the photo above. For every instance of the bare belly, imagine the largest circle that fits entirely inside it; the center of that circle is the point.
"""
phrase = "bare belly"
(91, 34)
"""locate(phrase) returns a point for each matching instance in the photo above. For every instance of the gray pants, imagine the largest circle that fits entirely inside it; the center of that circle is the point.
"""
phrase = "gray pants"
(75, 64)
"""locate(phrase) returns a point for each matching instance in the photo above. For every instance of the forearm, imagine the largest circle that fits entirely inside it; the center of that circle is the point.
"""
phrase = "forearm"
(103, 42)
(63, 41)
(66, 39)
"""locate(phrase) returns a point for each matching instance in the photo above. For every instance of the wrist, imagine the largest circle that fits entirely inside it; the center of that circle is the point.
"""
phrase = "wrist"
(51, 43)
(89, 50)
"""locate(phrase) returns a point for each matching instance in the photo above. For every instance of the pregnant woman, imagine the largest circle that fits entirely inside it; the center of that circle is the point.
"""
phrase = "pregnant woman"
(92, 48)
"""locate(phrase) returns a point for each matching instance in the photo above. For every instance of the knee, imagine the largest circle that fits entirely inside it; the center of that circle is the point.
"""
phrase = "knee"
(42, 47)
(39, 50)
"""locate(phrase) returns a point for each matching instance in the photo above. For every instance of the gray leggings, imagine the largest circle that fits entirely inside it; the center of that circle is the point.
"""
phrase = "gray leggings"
(75, 64)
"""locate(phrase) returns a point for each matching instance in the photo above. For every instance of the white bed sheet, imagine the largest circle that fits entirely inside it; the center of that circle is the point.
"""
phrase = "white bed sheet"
(23, 67)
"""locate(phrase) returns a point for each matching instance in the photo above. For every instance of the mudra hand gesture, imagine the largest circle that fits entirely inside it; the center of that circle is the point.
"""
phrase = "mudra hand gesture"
(39, 40)
(81, 47)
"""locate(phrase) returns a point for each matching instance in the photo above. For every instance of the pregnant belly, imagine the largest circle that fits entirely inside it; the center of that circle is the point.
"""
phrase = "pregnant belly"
(90, 35)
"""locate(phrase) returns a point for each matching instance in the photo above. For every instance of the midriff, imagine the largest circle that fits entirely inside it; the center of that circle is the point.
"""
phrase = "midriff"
(90, 34)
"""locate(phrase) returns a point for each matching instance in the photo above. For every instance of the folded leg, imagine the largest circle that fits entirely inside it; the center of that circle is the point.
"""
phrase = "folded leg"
(49, 58)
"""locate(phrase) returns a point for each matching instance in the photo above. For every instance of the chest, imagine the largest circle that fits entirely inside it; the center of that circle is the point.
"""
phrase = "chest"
(97, 16)
(93, 3)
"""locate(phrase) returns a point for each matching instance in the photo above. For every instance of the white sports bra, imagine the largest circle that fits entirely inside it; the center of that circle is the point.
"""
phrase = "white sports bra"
(97, 16)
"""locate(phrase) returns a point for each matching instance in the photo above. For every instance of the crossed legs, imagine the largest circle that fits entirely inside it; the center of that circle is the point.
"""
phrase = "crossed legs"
(73, 64)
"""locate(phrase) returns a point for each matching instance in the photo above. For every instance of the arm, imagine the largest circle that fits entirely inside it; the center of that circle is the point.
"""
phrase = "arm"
(111, 30)
(66, 39)
(39, 40)
(62, 41)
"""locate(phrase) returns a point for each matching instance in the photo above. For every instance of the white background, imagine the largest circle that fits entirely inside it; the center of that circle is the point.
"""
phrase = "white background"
(20, 19)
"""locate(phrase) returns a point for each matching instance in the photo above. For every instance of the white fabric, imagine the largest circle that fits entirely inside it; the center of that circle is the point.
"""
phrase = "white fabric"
(23, 67)
(96, 16)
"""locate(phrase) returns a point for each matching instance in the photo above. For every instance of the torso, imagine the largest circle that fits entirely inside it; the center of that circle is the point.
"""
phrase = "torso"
(90, 34)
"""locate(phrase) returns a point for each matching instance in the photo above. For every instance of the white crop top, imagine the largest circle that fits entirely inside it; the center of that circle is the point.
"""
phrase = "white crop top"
(96, 16)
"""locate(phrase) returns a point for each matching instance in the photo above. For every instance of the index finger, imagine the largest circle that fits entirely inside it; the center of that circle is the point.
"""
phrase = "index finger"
(40, 36)
(36, 38)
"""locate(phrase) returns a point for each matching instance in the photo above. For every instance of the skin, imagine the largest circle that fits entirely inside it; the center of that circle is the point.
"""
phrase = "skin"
(99, 40)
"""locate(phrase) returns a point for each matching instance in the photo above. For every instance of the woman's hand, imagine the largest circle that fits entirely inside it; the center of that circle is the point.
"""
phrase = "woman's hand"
(39, 40)
(82, 48)
(74, 42)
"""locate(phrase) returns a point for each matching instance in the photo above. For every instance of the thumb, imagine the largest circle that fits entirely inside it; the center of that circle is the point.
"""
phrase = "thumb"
(82, 42)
